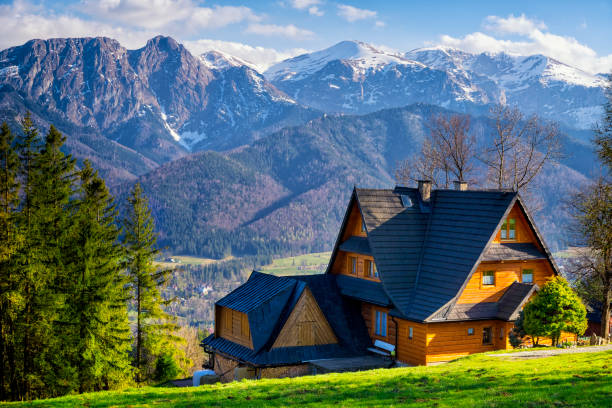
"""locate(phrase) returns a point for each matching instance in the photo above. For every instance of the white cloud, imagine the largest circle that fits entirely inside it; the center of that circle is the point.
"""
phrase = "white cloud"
(290, 31)
(174, 15)
(315, 11)
(23, 21)
(310, 5)
(380, 24)
(533, 39)
(352, 14)
(260, 57)
(513, 25)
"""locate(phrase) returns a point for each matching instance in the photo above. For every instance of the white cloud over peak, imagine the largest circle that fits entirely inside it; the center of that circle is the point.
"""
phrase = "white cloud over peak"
(352, 14)
(22, 21)
(533, 38)
(261, 58)
(513, 25)
(290, 31)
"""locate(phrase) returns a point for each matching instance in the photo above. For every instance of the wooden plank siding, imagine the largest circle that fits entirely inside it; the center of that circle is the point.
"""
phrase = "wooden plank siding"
(448, 341)
(306, 325)
(411, 351)
(505, 274)
(353, 225)
(524, 234)
(233, 325)
(342, 265)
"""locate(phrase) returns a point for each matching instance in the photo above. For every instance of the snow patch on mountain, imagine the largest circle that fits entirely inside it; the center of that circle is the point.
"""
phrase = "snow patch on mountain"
(361, 56)
(220, 61)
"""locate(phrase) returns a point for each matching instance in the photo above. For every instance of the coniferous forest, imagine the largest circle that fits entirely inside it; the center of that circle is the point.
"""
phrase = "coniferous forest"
(80, 301)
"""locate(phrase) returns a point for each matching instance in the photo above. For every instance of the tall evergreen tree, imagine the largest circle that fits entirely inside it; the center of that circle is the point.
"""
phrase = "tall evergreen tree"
(95, 310)
(153, 325)
(9, 200)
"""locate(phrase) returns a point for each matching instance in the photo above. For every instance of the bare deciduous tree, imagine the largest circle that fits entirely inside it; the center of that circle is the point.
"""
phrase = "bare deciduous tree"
(519, 147)
(592, 211)
(447, 153)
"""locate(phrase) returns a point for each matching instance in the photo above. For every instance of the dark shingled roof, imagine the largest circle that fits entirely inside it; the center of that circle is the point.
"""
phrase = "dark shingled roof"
(425, 253)
(362, 289)
(274, 305)
(512, 252)
(396, 235)
(513, 299)
(263, 298)
(358, 245)
(507, 308)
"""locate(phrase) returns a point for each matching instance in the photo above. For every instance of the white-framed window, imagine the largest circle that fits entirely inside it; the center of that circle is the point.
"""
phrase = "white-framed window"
(381, 323)
(371, 269)
(410, 333)
(488, 278)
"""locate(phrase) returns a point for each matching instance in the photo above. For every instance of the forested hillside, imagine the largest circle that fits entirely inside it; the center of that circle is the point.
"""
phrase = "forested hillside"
(288, 191)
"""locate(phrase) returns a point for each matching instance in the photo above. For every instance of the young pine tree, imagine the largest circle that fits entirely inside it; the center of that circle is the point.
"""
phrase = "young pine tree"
(97, 338)
(153, 325)
(9, 201)
(553, 310)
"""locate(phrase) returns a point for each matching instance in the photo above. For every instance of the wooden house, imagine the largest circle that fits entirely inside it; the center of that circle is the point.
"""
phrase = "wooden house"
(433, 275)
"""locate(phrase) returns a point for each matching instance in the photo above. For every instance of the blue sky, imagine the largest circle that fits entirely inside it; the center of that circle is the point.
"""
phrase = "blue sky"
(263, 32)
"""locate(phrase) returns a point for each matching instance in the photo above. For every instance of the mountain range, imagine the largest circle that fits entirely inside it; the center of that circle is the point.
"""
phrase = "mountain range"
(235, 161)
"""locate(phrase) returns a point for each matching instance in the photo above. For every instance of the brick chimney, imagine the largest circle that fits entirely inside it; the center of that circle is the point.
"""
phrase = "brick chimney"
(460, 185)
(425, 190)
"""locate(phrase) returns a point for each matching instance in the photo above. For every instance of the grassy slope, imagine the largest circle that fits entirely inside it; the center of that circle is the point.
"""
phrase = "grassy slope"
(576, 380)
(299, 265)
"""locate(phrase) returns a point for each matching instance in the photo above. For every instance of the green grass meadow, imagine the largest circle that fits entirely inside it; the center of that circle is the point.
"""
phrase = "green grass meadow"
(567, 380)
(299, 265)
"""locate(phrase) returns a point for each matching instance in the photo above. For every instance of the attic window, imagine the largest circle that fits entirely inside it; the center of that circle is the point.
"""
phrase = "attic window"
(508, 229)
(527, 276)
(406, 201)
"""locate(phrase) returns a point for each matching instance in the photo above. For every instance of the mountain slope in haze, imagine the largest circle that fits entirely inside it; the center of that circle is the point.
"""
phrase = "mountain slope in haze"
(288, 190)
(159, 100)
(354, 77)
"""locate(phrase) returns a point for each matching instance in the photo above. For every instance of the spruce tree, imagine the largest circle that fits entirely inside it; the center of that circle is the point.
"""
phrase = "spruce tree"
(95, 311)
(554, 309)
(153, 325)
(9, 201)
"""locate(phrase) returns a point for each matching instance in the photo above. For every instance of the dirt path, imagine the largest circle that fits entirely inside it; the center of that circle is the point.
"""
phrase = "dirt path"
(553, 352)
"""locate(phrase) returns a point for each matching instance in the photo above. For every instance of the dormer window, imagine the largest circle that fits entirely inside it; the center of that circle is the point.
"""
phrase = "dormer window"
(508, 229)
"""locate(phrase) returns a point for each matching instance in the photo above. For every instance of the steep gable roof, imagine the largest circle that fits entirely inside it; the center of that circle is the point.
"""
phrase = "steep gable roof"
(426, 252)
(268, 302)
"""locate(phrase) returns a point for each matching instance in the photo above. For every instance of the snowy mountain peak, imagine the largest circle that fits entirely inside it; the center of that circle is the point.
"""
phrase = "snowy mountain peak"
(360, 55)
(219, 60)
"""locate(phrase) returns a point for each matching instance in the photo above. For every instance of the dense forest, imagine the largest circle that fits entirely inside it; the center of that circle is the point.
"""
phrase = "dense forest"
(81, 307)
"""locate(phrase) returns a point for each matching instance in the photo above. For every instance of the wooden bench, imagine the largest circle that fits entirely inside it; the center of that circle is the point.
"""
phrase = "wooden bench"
(382, 348)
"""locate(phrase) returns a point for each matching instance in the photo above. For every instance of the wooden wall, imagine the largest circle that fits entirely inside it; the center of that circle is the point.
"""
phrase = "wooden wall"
(342, 266)
(523, 231)
(233, 325)
(447, 341)
(306, 325)
(353, 225)
(505, 274)
(411, 351)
